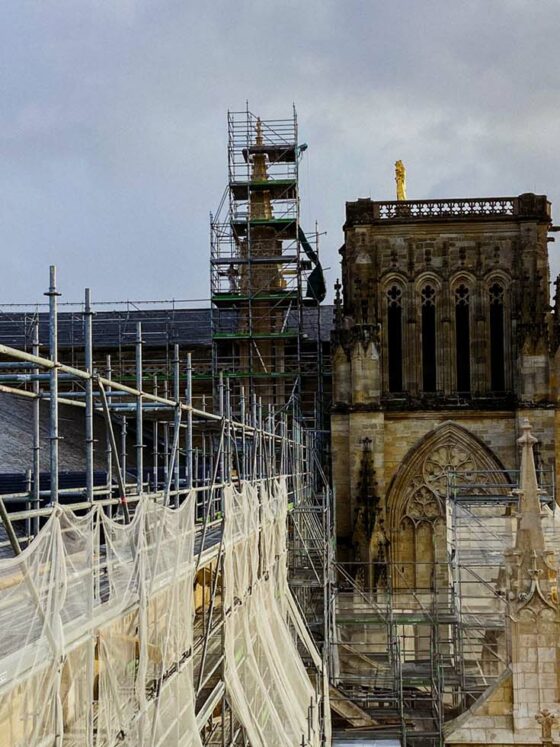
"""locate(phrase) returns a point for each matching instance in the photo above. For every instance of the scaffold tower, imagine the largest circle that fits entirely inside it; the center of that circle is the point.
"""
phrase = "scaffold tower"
(266, 280)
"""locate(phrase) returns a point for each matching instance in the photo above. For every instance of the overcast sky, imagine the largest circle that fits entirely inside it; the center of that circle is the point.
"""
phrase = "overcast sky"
(113, 122)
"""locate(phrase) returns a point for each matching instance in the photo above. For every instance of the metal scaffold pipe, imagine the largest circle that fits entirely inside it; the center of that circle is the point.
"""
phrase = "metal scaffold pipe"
(189, 423)
(243, 417)
(139, 418)
(88, 350)
(221, 405)
(110, 385)
(53, 294)
(155, 439)
(36, 433)
(177, 421)
(108, 445)
(111, 435)
(123, 448)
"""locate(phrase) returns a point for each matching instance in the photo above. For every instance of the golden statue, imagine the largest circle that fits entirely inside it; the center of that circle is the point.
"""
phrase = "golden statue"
(400, 178)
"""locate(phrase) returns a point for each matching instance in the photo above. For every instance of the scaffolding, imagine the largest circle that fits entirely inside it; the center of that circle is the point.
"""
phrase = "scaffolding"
(266, 280)
(413, 654)
(153, 482)
(114, 325)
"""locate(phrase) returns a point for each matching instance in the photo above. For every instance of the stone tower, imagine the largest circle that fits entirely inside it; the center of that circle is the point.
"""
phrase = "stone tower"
(444, 341)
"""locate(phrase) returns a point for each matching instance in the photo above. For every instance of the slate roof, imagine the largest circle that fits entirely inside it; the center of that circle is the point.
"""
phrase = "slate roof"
(160, 327)
(111, 328)
(16, 436)
(326, 313)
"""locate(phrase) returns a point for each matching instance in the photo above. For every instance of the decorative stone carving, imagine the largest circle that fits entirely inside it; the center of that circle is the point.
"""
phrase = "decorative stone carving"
(368, 537)
(448, 458)
(424, 504)
(428, 486)
(416, 501)
(426, 494)
(534, 613)
(547, 719)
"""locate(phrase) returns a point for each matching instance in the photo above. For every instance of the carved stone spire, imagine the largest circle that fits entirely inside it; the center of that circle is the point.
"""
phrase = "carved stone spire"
(367, 502)
(534, 615)
(259, 139)
(260, 205)
(531, 567)
(338, 314)
(530, 535)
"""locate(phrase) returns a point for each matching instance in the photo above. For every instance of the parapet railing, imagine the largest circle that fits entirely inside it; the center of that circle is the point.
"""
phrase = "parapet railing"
(524, 206)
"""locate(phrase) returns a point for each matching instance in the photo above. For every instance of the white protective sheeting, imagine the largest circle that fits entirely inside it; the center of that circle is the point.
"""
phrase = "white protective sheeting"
(96, 622)
(266, 681)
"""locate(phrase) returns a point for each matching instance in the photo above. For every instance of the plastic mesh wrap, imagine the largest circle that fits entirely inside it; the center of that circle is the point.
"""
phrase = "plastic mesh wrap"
(265, 679)
(97, 628)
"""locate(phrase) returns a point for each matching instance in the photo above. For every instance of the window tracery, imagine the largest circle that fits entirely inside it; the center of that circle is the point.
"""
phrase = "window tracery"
(416, 503)
(428, 487)
(428, 295)
(462, 295)
(496, 293)
(394, 296)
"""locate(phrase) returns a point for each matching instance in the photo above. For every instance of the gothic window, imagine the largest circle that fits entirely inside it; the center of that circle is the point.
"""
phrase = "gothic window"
(394, 337)
(417, 502)
(462, 339)
(497, 376)
(428, 338)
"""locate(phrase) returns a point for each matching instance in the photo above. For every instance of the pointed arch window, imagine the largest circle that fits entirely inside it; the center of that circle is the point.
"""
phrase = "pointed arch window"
(497, 357)
(394, 337)
(463, 338)
(428, 297)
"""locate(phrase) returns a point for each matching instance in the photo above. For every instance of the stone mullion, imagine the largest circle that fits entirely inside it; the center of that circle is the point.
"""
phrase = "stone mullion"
(377, 301)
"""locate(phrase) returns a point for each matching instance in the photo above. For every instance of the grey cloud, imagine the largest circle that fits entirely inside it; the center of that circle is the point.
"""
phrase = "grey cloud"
(113, 123)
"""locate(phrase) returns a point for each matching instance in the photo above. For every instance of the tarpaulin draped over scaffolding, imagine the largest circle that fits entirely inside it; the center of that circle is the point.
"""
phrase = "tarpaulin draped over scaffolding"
(265, 678)
(316, 288)
(96, 637)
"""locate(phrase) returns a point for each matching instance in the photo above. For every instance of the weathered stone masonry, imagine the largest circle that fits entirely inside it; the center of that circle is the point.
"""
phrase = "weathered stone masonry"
(444, 316)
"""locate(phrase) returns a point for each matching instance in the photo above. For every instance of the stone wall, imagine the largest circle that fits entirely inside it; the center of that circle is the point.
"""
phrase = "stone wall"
(395, 435)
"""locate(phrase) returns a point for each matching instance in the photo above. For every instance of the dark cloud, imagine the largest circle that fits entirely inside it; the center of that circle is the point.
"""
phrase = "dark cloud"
(113, 121)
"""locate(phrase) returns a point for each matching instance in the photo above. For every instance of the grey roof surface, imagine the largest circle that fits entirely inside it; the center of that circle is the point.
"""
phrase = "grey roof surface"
(111, 328)
(160, 327)
(16, 438)
(325, 321)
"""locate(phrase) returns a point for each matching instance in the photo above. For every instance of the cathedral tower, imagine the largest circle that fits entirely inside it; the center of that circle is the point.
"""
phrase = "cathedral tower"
(444, 317)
